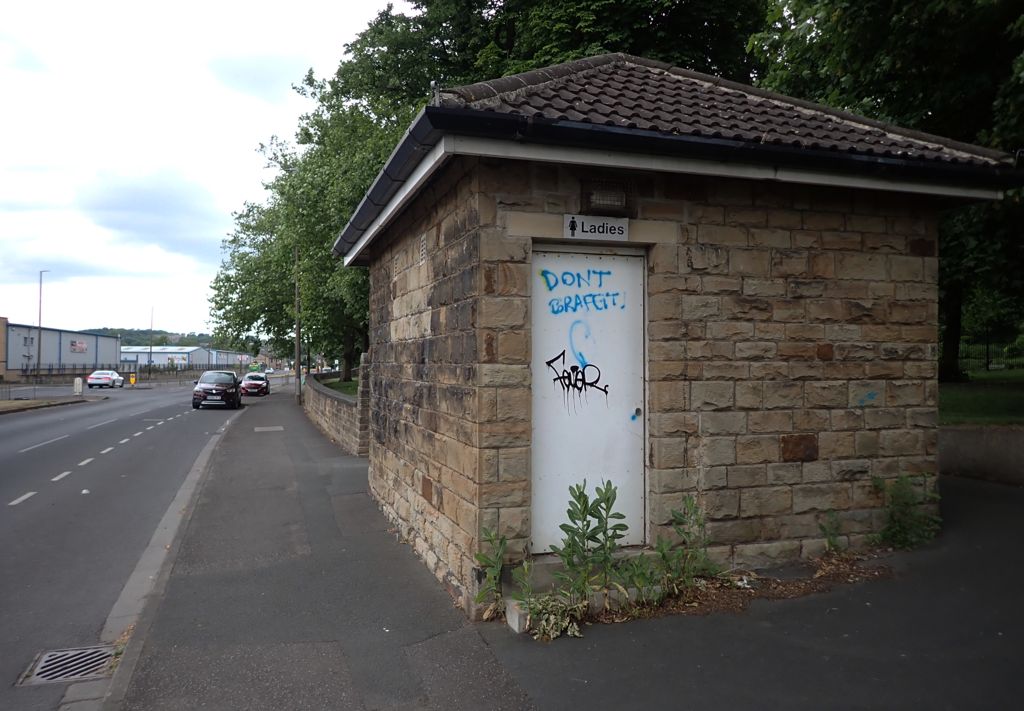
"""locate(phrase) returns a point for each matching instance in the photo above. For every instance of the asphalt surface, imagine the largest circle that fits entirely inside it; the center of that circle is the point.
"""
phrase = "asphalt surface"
(290, 592)
(82, 488)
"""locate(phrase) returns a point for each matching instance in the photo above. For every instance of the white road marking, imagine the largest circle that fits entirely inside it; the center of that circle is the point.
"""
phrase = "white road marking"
(159, 423)
(49, 441)
(275, 428)
(151, 427)
(85, 461)
(18, 500)
(108, 449)
(126, 439)
(85, 491)
(137, 433)
(92, 427)
(60, 476)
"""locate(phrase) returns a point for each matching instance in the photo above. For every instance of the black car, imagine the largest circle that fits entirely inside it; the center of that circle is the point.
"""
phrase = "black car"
(219, 388)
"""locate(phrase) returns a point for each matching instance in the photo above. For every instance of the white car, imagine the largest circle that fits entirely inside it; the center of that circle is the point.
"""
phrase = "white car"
(105, 379)
(268, 371)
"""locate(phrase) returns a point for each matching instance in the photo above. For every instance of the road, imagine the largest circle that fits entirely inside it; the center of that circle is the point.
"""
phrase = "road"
(82, 489)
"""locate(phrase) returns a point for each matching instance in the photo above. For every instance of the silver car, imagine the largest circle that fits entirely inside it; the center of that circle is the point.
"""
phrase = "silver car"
(105, 379)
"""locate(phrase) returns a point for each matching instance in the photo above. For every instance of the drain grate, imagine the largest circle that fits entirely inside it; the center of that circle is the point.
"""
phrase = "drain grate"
(69, 665)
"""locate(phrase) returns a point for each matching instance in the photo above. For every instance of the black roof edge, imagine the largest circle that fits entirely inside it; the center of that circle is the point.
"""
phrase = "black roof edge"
(434, 121)
(582, 134)
(418, 140)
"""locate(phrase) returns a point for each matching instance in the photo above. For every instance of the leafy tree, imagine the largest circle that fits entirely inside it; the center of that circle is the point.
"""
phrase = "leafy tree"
(360, 113)
(951, 67)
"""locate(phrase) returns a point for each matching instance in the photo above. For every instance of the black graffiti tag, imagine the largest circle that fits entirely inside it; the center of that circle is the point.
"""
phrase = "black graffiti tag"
(575, 380)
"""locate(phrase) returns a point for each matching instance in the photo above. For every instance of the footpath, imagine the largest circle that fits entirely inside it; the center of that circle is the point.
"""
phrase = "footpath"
(286, 590)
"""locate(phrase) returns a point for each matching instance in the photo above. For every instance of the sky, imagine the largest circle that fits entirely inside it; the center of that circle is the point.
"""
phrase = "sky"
(129, 135)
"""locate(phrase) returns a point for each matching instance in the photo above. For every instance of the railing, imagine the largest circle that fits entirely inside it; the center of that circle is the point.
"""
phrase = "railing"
(978, 355)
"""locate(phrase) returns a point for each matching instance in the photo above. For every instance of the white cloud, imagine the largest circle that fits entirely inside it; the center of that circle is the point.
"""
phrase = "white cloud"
(129, 136)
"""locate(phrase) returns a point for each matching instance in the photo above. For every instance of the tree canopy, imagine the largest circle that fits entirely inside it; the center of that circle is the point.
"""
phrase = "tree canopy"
(360, 112)
(950, 67)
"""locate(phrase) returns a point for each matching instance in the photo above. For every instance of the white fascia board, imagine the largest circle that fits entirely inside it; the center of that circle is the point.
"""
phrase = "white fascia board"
(450, 145)
(427, 167)
(468, 145)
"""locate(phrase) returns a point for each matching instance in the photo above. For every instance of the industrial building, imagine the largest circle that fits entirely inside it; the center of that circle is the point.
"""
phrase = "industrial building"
(27, 350)
(183, 357)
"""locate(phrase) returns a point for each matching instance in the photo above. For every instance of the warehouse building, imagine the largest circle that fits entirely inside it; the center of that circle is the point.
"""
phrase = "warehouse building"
(52, 351)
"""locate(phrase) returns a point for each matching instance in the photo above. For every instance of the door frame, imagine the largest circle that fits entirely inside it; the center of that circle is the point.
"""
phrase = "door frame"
(540, 245)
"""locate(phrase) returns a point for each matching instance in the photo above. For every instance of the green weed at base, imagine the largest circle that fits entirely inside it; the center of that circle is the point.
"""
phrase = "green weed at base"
(909, 520)
(591, 568)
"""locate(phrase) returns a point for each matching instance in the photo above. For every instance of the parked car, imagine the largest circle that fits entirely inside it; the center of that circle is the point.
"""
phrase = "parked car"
(255, 384)
(217, 387)
(268, 371)
(104, 379)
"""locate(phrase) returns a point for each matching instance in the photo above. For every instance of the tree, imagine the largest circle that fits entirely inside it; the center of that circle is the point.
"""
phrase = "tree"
(950, 67)
(360, 113)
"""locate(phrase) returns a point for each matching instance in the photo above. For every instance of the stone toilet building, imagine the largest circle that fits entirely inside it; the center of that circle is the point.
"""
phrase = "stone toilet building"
(614, 269)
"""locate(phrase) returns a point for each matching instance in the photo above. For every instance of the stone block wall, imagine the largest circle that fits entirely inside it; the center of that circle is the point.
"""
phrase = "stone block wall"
(425, 412)
(343, 418)
(791, 347)
(791, 356)
(795, 329)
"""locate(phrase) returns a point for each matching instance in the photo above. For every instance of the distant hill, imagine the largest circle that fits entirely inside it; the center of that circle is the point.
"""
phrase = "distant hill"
(141, 337)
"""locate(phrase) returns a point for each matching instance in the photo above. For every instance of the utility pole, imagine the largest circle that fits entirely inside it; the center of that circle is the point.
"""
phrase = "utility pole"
(39, 340)
(298, 333)
(150, 344)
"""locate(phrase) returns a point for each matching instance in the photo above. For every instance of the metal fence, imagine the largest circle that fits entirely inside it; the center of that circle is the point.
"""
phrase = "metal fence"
(980, 355)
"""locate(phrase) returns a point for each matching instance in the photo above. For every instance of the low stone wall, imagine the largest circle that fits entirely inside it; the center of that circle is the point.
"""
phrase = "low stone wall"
(989, 453)
(343, 418)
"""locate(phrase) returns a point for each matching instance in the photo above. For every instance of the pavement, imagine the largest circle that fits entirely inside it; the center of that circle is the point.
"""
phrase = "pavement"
(286, 589)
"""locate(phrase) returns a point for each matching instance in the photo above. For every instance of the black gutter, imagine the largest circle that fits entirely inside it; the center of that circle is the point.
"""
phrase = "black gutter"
(433, 122)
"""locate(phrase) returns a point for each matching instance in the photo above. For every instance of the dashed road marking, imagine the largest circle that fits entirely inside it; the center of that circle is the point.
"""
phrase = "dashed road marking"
(137, 433)
(159, 423)
(60, 476)
(92, 427)
(18, 500)
(49, 441)
(108, 449)
(151, 427)
(126, 439)
(85, 461)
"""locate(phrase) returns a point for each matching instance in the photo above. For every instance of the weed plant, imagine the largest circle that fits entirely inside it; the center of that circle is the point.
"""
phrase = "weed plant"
(909, 520)
(490, 562)
(590, 565)
(831, 527)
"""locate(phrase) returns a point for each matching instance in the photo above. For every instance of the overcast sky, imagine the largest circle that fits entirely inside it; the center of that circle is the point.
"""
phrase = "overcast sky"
(129, 135)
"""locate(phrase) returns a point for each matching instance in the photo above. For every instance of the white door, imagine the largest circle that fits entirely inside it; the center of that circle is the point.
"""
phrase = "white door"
(588, 386)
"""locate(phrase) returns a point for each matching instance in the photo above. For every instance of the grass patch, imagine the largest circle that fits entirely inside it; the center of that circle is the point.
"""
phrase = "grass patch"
(991, 398)
(348, 387)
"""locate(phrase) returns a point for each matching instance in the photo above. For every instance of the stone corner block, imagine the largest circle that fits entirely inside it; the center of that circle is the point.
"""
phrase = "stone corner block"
(517, 616)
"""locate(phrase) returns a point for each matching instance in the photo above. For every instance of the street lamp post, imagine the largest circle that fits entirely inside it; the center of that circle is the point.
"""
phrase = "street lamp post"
(39, 339)
(298, 333)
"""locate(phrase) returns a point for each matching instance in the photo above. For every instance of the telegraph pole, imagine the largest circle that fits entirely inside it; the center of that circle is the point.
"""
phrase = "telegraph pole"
(298, 333)
(150, 344)
(39, 340)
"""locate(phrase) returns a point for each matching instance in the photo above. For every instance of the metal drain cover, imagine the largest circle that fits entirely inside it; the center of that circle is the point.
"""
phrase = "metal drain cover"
(63, 665)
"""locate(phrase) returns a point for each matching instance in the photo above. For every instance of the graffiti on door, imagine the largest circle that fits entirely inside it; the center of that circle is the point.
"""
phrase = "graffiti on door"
(581, 291)
(576, 381)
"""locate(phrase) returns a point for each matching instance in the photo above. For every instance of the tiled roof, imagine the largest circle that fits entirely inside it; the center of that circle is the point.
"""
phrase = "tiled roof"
(630, 92)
